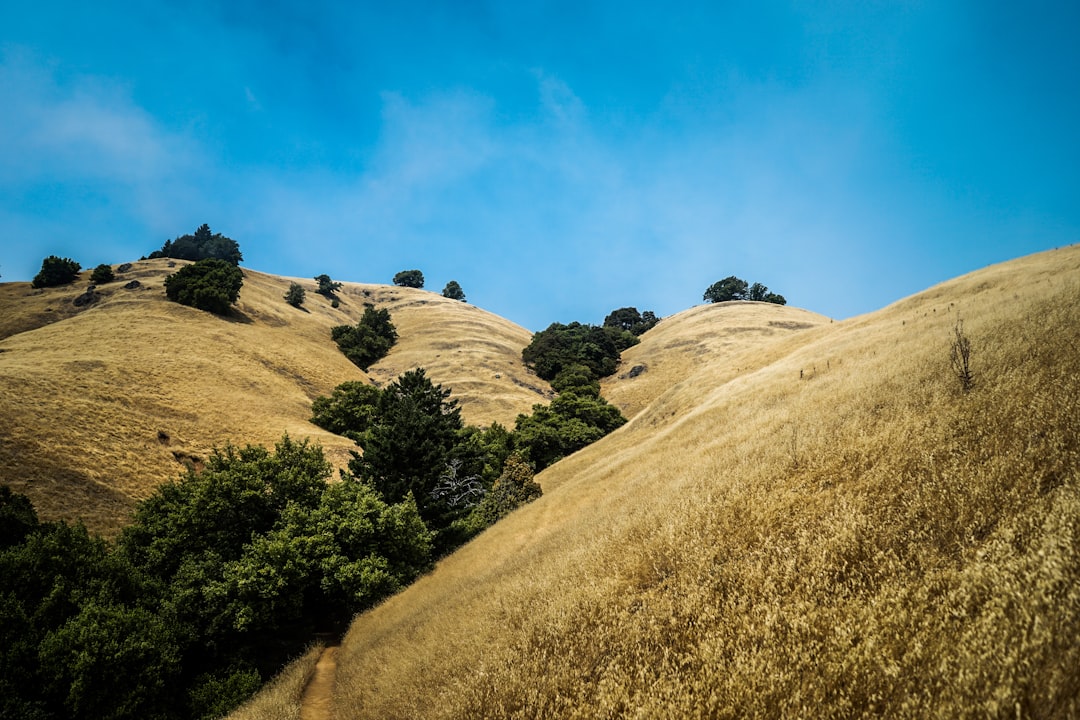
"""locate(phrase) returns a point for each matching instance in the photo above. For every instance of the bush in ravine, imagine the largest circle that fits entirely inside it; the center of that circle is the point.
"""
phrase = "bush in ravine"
(369, 340)
(56, 271)
(102, 274)
(212, 285)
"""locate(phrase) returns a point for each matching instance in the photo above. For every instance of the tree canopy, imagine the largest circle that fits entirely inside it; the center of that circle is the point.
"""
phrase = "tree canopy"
(560, 346)
(56, 271)
(211, 284)
(630, 320)
(453, 291)
(369, 340)
(327, 286)
(409, 278)
(733, 288)
(203, 244)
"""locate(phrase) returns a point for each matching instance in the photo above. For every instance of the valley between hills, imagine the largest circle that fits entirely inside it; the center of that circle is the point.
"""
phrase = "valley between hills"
(801, 518)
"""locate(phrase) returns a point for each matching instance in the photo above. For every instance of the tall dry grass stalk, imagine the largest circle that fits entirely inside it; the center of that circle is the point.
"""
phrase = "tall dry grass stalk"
(920, 559)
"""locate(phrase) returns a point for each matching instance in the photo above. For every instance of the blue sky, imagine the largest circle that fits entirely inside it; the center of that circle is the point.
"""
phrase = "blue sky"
(558, 159)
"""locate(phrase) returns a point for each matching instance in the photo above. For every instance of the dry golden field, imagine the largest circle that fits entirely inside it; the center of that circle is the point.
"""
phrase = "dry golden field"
(99, 405)
(820, 523)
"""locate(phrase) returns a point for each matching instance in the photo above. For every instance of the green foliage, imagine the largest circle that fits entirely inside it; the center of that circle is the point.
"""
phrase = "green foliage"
(409, 445)
(515, 487)
(409, 278)
(56, 271)
(17, 517)
(327, 286)
(453, 291)
(576, 418)
(369, 341)
(730, 288)
(350, 410)
(295, 295)
(212, 285)
(560, 346)
(630, 320)
(733, 288)
(200, 246)
(102, 274)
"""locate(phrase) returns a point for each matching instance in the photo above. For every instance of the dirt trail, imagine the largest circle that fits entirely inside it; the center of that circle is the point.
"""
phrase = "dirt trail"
(317, 702)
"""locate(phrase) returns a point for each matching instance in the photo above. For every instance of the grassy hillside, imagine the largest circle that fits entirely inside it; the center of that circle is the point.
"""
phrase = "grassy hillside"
(100, 404)
(822, 525)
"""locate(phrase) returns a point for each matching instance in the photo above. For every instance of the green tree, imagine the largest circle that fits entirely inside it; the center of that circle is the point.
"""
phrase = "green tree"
(453, 291)
(327, 286)
(573, 420)
(350, 410)
(369, 341)
(409, 278)
(409, 446)
(295, 295)
(760, 293)
(212, 285)
(730, 288)
(102, 274)
(630, 320)
(56, 271)
(560, 346)
(515, 487)
(200, 246)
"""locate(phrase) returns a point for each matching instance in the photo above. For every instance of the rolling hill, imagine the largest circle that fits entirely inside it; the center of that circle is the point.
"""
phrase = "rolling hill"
(99, 404)
(817, 523)
(801, 518)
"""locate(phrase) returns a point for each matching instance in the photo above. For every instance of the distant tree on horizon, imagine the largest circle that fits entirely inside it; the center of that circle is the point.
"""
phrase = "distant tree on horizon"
(734, 288)
(56, 271)
(327, 286)
(409, 278)
(453, 291)
(200, 246)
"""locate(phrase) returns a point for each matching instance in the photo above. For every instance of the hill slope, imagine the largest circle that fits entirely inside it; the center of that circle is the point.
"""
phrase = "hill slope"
(834, 529)
(99, 405)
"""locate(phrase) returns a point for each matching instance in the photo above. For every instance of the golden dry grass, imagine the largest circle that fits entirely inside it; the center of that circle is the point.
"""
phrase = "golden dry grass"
(838, 531)
(280, 699)
(99, 406)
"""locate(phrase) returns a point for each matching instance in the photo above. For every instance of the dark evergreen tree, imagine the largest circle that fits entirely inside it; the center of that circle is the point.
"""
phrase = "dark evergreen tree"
(730, 288)
(56, 271)
(203, 244)
(453, 291)
(327, 286)
(102, 274)
(560, 346)
(295, 295)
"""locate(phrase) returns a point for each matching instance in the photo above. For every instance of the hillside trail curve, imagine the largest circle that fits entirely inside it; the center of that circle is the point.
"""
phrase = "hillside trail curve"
(317, 702)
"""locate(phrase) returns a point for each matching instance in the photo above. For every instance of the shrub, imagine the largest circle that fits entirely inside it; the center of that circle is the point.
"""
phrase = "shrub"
(212, 285)
(453, 291)
(200, 246)
(514, 488)
(409, 278)
(350, 410)
(327, 286)
(56, 271)
(102, 274)
(576, 418)
(295, 295)
(630, 320)
(369, 341)
(560, 346)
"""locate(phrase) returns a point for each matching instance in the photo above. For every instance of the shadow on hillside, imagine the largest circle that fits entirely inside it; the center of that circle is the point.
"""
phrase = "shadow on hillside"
(237, 316)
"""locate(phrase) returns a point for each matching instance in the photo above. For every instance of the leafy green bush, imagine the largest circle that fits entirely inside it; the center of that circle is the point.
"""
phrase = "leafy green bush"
(102, 274)
(409, 278)
(212, 285)
(295, 295)
(453, 291)
(200, 246)
(560, 346)
(515, 487)
(572, 421)
(369, 341)
(349, 411)
(56, 271)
